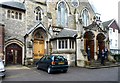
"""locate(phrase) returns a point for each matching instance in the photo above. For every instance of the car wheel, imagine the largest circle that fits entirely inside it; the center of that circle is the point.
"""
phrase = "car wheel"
(3, 77)
(49, 70)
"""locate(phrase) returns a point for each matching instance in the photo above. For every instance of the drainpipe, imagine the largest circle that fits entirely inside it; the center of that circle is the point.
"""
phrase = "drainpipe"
(75, 53)
(24, 49)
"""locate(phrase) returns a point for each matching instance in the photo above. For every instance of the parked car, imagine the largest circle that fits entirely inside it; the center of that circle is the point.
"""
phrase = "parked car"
(2, 69)
(52, 63)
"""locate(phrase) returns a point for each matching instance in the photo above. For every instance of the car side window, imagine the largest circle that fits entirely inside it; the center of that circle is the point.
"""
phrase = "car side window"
(48, 58)
(43, 58)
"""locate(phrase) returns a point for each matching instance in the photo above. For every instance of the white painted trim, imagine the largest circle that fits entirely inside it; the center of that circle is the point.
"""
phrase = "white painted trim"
(111, 22)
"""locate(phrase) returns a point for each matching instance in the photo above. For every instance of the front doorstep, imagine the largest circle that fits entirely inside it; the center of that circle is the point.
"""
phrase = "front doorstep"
(102, 66)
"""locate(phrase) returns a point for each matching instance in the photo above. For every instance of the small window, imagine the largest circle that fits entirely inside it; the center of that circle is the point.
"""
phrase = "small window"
(38, 14)
(63, 44)
(110, 41)
(16, 15)
(110, 30)
(8, 13)
(20, 16)
(13, 14)
(115, 42)
(59, 44)
(66, 44)
(71, 44)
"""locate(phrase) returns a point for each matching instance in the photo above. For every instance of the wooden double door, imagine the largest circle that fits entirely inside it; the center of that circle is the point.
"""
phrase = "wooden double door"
(13, 54)
(39, 49)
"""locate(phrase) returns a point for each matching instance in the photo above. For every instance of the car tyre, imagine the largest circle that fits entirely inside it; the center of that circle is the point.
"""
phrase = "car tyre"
(49, 70)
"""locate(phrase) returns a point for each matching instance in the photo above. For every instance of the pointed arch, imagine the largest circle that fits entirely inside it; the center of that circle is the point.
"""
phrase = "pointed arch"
(68, 7)
(17, 47)
(62, 13)
(38, 13)
(85, 15)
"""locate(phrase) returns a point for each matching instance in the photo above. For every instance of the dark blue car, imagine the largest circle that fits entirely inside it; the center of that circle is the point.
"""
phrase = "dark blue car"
(53, 63)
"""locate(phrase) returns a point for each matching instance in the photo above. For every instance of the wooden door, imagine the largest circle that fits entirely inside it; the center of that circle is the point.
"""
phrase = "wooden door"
(38, 49)
(13, 54)
(101, 46)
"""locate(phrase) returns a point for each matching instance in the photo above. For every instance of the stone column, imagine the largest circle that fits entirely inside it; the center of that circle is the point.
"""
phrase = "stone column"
(95, 48)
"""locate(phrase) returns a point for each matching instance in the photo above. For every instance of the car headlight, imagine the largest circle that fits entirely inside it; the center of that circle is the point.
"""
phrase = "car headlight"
(2, 69)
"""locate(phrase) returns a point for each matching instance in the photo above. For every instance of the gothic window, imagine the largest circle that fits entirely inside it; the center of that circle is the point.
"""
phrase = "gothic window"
(8, 13)
(62, 14)
(85, 17)
(38, 14)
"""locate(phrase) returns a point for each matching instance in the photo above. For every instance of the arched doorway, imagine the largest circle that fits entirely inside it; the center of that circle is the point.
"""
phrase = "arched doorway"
(101, 43)
(13, 54)
(39, 43)
(89, 42)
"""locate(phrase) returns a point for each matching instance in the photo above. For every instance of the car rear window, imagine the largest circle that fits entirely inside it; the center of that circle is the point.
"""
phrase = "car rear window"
(59, 58)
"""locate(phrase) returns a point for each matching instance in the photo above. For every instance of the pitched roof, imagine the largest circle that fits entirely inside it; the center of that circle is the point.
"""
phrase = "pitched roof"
(67, 33)
(106, 23)
(13, 4)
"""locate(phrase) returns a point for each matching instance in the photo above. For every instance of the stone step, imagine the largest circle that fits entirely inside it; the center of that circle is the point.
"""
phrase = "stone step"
(97, 64)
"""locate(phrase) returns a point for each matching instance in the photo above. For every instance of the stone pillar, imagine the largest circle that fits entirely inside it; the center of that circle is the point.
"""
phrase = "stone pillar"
(80, 45)
(2, 41)
(95, 48)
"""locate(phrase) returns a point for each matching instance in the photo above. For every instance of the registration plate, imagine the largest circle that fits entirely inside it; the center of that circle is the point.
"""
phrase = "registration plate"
(61, 63)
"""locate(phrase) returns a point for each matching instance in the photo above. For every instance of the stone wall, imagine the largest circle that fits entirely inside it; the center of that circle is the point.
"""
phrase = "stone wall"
(13, 28)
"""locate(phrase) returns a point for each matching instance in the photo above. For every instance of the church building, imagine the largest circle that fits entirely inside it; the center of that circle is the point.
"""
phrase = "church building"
(30, 29)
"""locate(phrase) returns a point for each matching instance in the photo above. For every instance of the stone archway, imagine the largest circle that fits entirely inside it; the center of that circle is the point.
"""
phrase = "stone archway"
(89, 41)
(13, 54)
(101, 43)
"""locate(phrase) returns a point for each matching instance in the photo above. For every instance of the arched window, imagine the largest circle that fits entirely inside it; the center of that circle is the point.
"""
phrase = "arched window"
(62, 14)
(38, 14)
(20, 16)
(12, 14)
(8, 13)
(85, 17)
(16, 15)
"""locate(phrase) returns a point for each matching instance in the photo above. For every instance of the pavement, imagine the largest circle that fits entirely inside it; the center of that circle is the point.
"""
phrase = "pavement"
(16, 67)
(23, 73)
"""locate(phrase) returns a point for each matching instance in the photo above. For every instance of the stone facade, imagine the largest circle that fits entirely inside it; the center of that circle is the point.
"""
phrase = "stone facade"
(44, 36)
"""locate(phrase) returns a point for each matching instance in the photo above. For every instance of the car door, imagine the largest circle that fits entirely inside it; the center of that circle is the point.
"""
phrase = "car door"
(47, 62)
(41, 62)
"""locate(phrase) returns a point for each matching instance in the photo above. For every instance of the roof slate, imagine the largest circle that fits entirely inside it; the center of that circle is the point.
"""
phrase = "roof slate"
(106, 23)
(66, 33)
(14, 4)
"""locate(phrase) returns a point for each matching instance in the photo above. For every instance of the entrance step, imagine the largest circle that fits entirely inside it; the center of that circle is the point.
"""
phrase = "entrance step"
(97, 64)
